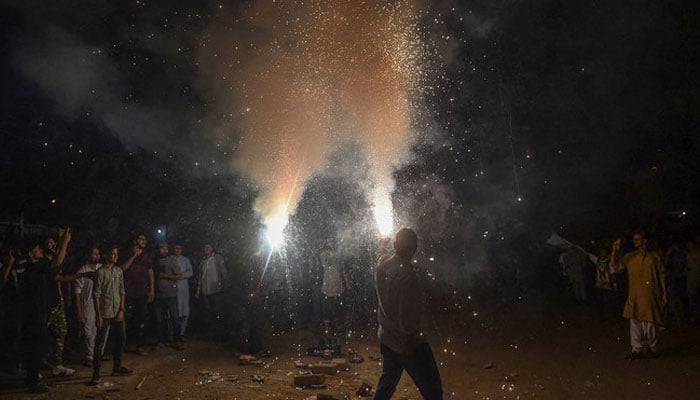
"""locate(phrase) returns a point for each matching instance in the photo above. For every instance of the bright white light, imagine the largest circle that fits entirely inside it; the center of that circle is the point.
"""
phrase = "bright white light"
(384, 215)
(275, 229)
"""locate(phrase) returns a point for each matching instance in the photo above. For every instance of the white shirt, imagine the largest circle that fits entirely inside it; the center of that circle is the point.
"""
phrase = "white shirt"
(84, 285)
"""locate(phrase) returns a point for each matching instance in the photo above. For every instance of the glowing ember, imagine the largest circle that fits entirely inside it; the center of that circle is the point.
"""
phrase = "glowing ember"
(275, 229)
(384, 214)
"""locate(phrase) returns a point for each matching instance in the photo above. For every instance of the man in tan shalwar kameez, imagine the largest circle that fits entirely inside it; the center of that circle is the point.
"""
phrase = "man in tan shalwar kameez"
(647, 295)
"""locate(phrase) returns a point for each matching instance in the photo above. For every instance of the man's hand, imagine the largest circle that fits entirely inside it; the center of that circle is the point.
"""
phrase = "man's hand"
(81, 319)
(137, 251)
(99, 322)
(120, 316)
(151, 296)
(197, 294)
(11, 259)
(67, 236)
(616, 245)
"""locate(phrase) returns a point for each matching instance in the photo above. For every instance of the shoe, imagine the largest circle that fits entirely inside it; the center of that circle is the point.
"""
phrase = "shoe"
(179, 346)
(40, 377)
(63, 371)
(87, 362)
(140, 351)
(105, 358)
(651, 354)
(39, 388)
(95, 381)
(122, 371)
(635, 355)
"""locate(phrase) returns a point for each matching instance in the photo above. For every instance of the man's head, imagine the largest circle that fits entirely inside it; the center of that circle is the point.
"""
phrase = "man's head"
(111, 255)
(35, 252)
(177, 249)
(208, 249)
(50, 246)
(163, 248)
(639, 239)
(141, 241)
(406, 243)
(93, 255)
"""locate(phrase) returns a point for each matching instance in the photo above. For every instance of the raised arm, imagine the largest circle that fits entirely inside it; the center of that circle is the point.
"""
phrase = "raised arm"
(7, 268)
(58, 260)
(127, 264)
(615, 264)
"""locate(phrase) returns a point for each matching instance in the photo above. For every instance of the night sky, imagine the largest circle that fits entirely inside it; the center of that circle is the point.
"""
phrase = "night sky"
(525, 117)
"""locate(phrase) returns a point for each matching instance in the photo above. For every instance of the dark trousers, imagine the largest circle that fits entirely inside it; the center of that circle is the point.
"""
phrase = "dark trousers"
(330, 306)
(255, 314)
(167, 315)
(136, 318)
(118, 334)
(213, 310)
(421, 367)
(35, 341)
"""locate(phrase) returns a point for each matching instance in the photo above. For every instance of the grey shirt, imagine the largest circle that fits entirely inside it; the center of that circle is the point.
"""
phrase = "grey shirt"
(212, 274)
(109, 287)
(166, 287)
(401, 301)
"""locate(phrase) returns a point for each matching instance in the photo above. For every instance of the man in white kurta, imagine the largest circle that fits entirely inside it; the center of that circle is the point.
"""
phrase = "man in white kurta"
(183, 287)
(85, 307)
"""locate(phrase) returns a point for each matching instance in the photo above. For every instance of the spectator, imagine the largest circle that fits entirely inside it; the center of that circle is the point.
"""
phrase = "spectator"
(85, 305)
(168, 272)
(210, 287)
(574, 262)
(334, 283)
(604, 285)
(109, 297)
(183, 288)
(57, 323)
(676, 282)
(140, 284)
(35, 288)
(646, 296)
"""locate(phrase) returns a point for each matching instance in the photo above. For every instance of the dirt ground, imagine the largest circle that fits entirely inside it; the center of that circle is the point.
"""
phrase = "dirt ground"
(504, 357)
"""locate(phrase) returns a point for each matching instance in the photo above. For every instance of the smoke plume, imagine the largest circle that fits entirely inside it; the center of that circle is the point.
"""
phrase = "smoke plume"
(293, 81)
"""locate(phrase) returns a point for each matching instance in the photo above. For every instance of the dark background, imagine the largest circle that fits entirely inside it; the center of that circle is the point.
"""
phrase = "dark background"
(574, 117)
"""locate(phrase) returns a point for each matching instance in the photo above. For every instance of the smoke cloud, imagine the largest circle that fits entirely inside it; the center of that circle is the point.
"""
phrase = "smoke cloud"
(294, 81)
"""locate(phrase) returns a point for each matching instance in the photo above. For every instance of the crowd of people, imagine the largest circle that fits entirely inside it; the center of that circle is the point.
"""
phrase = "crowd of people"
(653, 285)
(139, 297)
(112, 294)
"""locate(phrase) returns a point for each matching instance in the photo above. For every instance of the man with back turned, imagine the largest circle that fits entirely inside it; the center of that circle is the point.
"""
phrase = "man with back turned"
(403, 343)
